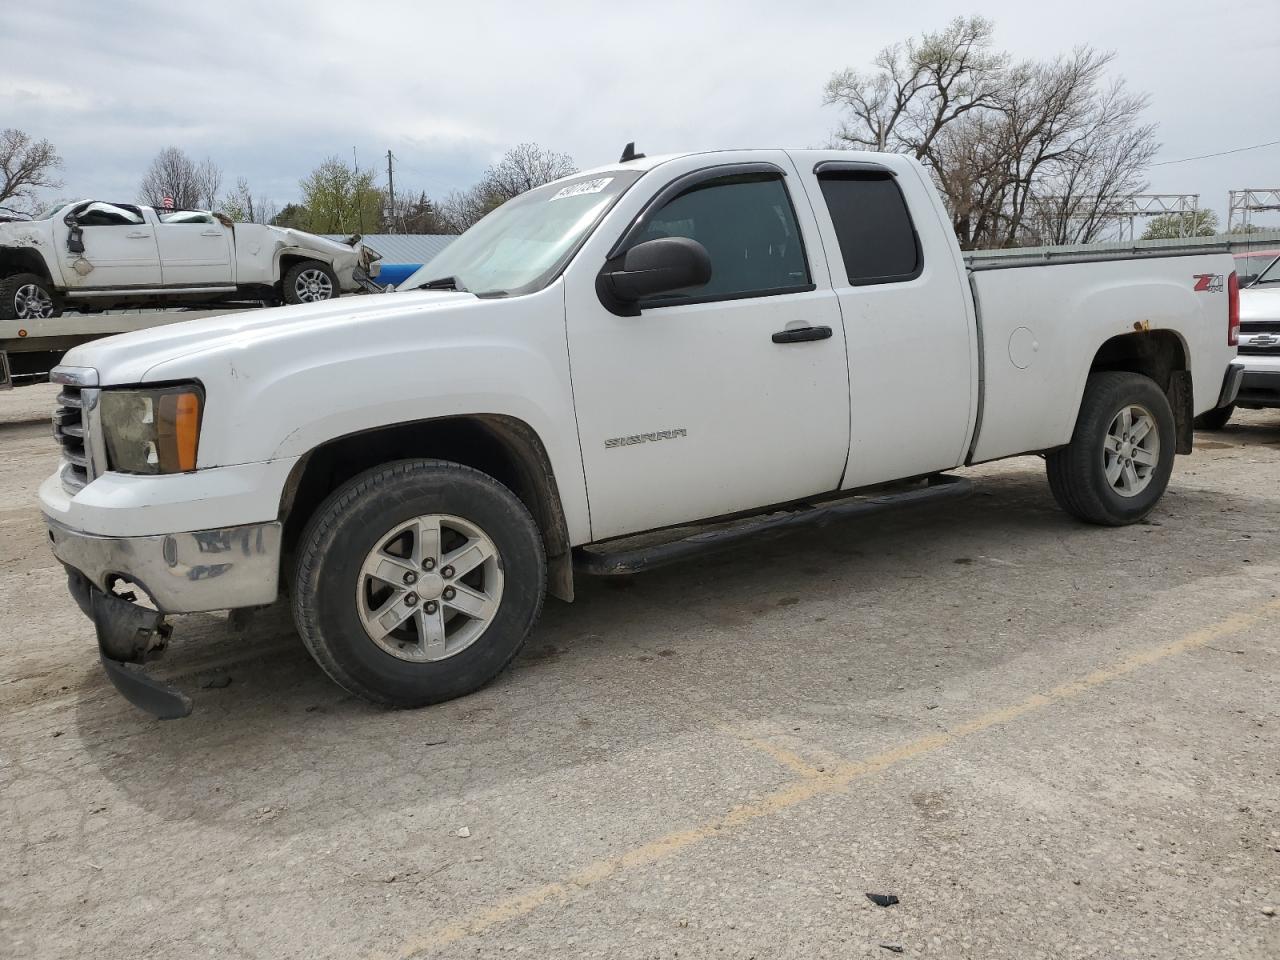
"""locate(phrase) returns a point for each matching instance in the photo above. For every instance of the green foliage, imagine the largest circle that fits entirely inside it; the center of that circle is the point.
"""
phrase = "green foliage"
(292, 215)
(1171, 226)
(341, 199)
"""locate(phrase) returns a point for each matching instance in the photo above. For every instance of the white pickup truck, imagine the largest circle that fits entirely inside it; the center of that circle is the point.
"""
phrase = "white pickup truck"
(96, 256)
(654, 343)
(1259, 348)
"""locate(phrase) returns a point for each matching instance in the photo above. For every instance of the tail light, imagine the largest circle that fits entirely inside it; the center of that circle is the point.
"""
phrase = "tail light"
(1233, 310)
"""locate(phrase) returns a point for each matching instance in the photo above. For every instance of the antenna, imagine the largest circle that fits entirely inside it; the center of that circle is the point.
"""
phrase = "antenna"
(629, 153)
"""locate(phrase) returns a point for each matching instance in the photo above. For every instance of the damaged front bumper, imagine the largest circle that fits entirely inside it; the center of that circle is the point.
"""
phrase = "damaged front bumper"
(180, 573)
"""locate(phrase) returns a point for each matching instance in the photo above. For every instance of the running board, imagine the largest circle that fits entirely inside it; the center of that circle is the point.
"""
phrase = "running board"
(599, 560)
(146, 291)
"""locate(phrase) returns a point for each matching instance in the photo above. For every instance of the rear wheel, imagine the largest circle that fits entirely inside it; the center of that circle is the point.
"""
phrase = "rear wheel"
(28, 296)
(309, 281)
(1118, 463)
(1215, 419)
(418, 582)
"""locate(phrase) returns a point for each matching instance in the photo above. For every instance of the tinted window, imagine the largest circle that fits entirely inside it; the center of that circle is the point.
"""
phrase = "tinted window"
(749, 228)
(877, 240)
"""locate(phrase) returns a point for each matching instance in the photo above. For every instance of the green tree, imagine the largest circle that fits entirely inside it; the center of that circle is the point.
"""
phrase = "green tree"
(294, 216)
(1171, 226)
(341, 199)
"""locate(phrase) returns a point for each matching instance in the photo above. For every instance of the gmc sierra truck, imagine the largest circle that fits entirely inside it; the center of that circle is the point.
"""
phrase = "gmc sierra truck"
(754, 338)
(92, 256)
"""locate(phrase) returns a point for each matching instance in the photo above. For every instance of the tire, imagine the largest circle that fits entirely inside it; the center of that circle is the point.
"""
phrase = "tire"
(334, 594)
(28, 296)
(1215, 419)
(1078, 472)
(309, 281)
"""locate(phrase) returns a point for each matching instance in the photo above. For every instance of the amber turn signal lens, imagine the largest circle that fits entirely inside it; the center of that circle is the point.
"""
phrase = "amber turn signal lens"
(178, 430)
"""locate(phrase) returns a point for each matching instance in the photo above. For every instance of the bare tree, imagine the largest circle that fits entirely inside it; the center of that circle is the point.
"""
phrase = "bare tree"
(1028, 152)
(521, 168)
(242, 206)
(416, 213)
(174, 174)
(209, 177)
(918, 88)
(26, 166)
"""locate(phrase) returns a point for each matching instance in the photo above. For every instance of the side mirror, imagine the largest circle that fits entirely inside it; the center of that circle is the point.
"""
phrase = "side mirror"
(653, 267)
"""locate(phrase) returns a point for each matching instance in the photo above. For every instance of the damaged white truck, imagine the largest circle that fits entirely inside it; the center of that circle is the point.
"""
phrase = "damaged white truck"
(91, 256)
(757, 338)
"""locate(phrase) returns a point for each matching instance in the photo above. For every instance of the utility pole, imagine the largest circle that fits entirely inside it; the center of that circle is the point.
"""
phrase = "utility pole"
(391, 192)
(359, 206)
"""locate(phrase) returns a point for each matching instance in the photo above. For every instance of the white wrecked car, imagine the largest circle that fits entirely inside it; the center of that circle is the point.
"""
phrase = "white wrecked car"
(91, 255)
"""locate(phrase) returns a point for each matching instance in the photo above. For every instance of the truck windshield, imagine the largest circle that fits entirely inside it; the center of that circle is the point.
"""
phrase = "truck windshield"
(1270, 275)
(524, 244)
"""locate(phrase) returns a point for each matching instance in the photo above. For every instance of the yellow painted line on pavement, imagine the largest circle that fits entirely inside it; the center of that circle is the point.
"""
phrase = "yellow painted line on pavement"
(813, 784)
(787, 758)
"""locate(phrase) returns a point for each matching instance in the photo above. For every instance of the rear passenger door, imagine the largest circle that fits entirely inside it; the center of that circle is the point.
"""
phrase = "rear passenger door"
(904, 299)
(195, 249)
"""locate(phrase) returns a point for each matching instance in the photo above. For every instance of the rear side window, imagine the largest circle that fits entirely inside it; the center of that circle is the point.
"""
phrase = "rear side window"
(878, 242)
(749, 228)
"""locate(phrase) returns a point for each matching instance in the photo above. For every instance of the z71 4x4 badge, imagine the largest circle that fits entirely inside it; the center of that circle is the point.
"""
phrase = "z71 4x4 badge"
(1208, 283)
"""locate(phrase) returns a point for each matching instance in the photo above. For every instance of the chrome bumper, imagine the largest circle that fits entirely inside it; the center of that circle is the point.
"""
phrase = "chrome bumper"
(181, 572)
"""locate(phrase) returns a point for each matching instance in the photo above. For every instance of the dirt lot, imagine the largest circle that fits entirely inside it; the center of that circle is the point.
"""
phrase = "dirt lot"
(1047, 740)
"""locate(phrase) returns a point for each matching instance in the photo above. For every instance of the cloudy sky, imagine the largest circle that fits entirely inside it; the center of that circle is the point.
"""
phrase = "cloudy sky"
(268, 88)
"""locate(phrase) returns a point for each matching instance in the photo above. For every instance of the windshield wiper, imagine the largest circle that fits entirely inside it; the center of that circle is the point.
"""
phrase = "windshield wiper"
(444, 283)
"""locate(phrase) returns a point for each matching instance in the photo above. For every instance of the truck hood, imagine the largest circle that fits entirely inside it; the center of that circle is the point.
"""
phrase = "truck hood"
(1260, 303)
(24, 233)
(129, 357)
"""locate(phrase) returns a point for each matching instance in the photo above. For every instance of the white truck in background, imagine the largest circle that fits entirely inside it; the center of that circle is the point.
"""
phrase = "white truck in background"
(767, 336)
(92, 256)
(1259, 348)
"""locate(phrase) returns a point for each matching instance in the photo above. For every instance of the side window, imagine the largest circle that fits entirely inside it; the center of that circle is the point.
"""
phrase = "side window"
(185, 216)
(99, 214)
(749, 228)
(878, 242)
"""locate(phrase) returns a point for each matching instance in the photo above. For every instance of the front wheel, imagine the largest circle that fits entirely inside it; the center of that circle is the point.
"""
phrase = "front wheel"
(309, 281)
(1118, 463)
(27, 296)
(418, 581)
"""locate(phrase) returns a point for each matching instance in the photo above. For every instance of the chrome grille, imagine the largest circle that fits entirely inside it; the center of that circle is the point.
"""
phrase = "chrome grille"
(68, 430)
(74, 426)
(1259, 343)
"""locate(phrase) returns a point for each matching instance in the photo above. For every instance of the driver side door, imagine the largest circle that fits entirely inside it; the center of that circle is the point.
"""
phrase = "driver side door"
(697, 407)
(119, 248)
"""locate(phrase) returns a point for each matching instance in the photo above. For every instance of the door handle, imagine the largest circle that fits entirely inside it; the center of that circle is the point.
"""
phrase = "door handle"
(210, 233)
(801, 334)
(138, 236)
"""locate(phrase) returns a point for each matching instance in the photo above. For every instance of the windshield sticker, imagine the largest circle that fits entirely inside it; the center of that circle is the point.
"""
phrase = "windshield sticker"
(586, 186)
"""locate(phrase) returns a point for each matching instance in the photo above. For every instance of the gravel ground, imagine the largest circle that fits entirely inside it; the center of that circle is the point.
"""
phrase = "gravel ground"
(1046, 739)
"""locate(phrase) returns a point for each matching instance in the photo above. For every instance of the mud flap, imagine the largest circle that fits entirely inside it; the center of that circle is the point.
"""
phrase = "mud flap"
(128, 634)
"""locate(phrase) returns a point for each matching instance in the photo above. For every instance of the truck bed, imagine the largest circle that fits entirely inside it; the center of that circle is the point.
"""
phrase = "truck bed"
(1036, 308)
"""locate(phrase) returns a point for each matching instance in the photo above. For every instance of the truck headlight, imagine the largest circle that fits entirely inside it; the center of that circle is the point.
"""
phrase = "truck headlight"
(152, 431)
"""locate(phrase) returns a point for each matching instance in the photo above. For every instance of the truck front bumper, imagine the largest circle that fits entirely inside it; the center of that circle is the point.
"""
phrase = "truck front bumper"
(180, 573)
(1260, 385)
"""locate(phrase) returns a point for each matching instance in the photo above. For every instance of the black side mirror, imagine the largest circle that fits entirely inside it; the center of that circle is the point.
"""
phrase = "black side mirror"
(650, 268)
